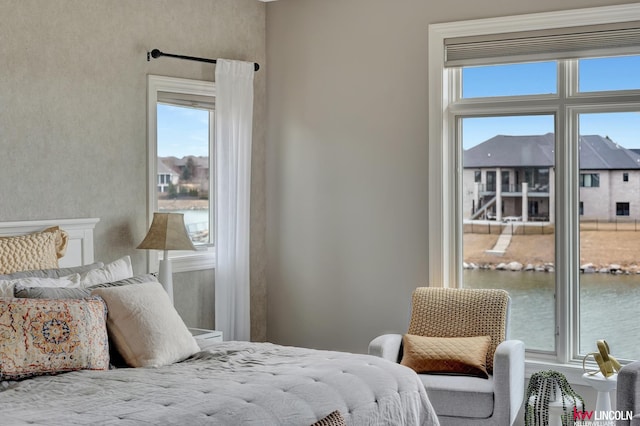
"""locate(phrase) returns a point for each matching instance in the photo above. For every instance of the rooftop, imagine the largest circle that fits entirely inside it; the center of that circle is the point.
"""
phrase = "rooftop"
(596, 153)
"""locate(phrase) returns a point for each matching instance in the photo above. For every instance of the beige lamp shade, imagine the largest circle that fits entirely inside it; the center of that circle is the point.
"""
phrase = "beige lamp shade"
(167, 232)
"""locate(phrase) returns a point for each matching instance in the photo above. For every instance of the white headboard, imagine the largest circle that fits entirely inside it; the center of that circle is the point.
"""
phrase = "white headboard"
(80, 246)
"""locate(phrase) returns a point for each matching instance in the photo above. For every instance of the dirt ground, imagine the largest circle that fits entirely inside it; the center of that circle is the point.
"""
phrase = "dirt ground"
(182, 204)
(601, 248)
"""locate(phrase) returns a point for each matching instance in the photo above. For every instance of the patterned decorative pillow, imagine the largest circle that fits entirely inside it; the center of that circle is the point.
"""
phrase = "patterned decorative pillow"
(31, 251)
(41, 336)
(333, 419)
(446, 355)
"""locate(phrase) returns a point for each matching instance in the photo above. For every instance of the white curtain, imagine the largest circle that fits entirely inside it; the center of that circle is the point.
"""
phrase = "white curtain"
(234, 117)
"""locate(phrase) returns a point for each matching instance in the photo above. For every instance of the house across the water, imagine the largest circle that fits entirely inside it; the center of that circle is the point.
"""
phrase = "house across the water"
(512, 178)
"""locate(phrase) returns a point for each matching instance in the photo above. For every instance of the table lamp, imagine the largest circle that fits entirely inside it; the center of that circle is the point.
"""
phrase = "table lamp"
(167, 232)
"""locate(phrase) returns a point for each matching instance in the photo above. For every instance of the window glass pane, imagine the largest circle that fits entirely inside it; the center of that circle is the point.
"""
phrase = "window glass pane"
(509, 236)
(616, 73)
(536, 78)
(609, 233)
(183, 167)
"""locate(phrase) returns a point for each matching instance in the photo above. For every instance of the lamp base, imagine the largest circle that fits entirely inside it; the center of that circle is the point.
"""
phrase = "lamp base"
(165, 276)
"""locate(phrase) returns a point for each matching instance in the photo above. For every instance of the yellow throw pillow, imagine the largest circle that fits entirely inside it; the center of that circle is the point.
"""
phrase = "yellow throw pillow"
(31, 251)
(62, 239)
(458, 355)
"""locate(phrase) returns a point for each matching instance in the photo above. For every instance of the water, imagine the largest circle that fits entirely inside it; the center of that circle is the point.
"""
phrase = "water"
(197, 223)
(609, 308)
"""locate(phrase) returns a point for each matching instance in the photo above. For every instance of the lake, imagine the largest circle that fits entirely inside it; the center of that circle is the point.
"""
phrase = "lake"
(609, 308)
(197, 223)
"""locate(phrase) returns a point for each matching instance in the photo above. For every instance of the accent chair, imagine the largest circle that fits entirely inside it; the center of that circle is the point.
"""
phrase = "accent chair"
(628, 393)
(469, 397)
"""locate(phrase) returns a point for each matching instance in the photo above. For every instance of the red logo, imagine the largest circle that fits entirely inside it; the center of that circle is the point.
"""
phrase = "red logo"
(582, 415)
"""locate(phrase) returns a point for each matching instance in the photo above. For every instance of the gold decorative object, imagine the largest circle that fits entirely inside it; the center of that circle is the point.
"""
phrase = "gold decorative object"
(607, 364)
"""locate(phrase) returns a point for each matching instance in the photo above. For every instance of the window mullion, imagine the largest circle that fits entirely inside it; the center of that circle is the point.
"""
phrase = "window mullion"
(573, 136)
(566, 201)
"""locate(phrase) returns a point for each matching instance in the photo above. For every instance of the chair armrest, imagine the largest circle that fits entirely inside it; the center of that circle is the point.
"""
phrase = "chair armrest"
(628, 392)
(508, 377)
(386, 346)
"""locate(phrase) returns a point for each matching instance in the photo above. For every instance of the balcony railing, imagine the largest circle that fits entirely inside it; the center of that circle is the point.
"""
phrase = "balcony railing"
(507, 188)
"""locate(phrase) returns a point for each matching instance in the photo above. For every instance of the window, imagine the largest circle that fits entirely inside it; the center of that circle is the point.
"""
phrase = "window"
(561, 140)
(625, 177)
(491, 181)
(477, 176)
(181, 118)
(589, 180)
(505, 181)
(622, 209)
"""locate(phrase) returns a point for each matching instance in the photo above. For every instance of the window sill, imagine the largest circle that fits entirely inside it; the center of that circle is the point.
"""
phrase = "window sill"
(190, 261)
(572, 371)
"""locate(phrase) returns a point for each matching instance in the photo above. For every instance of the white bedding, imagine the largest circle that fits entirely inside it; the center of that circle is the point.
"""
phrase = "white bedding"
(230, 383)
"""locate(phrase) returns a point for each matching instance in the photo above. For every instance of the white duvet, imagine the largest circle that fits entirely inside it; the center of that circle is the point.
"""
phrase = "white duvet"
(230, 383)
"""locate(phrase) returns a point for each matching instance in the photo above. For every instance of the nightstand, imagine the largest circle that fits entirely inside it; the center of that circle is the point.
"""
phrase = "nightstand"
(209, 335)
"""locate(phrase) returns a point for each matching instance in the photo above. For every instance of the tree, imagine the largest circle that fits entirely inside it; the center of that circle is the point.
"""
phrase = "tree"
(172, 190)
(189, 170)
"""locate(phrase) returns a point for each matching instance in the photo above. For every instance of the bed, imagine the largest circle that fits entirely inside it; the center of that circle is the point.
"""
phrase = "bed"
(222, 383)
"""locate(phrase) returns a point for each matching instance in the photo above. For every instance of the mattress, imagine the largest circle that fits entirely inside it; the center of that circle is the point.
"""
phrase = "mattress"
(229, 383)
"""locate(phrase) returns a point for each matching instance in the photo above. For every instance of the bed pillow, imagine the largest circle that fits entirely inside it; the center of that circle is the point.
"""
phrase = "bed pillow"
(40, 336)
(145, 327)
(114, 271)
(22, 290)
(31, 251)
(62, 239)
(446, 355)
(51, 273)
(8, 287)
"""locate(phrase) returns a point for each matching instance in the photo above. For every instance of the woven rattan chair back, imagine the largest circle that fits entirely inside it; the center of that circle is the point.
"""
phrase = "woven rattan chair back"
(454, 312)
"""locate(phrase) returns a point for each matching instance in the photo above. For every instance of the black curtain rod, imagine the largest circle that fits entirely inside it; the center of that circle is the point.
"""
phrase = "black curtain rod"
(155, 53)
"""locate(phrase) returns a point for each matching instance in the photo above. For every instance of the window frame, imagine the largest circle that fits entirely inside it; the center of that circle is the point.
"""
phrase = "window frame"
(205, 256)
(445, 201)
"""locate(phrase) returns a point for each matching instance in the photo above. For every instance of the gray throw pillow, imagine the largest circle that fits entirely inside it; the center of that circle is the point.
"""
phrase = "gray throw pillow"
(52, 273)
(50, 292)
(75, 292)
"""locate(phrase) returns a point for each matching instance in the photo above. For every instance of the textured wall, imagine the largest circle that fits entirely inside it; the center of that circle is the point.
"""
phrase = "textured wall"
(73, 112)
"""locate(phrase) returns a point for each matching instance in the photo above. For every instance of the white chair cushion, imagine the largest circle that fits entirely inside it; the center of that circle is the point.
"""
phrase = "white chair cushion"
(460, 396)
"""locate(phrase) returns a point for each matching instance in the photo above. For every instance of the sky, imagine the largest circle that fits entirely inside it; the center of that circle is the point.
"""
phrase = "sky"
(182, 131)
(595, 75)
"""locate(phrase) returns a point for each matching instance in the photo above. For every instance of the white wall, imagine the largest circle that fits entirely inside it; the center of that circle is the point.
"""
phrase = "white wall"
(73, 114)
(347, 161)
(347, 200)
